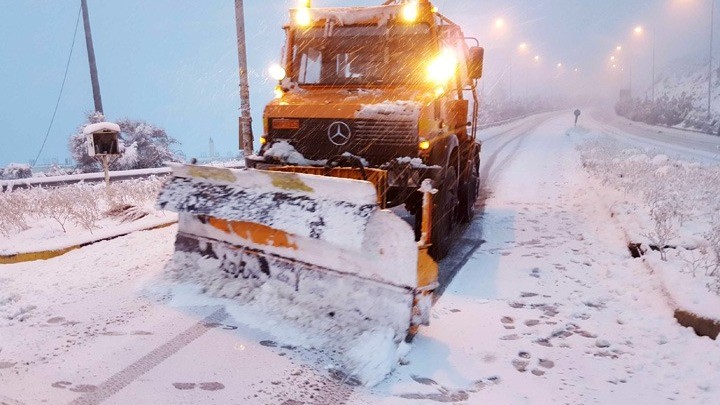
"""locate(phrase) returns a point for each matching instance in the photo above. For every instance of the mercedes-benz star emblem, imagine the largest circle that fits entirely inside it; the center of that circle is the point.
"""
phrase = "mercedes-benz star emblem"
(339, 133)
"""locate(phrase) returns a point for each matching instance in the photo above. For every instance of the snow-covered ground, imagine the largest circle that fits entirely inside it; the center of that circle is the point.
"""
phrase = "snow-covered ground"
(550, 309)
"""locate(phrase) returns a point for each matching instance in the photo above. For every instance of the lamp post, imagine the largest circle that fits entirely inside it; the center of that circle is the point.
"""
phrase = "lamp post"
(710, 52)
(639, 31)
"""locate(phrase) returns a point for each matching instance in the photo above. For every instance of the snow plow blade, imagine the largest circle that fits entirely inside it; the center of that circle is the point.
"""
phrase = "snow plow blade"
(315, 250)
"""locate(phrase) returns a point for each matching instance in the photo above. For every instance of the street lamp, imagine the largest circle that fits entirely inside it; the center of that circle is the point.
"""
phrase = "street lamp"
(639, 30)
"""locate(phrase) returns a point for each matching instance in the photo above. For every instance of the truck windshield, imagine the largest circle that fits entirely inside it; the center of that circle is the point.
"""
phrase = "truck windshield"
(361, 55)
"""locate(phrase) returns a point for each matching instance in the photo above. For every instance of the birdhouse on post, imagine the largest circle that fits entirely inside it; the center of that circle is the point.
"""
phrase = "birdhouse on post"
(102, 139)
(103, 144)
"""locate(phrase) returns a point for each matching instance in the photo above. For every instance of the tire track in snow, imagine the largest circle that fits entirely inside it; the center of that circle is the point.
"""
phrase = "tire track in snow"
(9, 401)
(132, 372)
(470, 238)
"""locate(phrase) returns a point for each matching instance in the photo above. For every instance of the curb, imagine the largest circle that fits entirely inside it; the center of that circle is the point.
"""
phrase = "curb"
(701, 326)
(49, 254)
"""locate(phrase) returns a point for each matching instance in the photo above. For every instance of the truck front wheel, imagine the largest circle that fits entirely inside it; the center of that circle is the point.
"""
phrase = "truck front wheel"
(445, 205)
(469, 191)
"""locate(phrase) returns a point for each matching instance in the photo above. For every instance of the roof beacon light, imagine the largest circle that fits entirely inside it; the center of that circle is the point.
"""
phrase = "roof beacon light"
(410, 11)
(302, 13)
(277, 72)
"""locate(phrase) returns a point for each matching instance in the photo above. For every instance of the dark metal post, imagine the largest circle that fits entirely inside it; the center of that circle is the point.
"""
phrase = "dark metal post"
(246, 135)
(91, 58)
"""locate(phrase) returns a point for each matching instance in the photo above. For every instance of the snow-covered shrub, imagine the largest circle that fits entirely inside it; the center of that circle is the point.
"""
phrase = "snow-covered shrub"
(54, 204)
(133, 192)
(85, 209)
(667, 111)
(15, 171)
(679, 202)
(663, 218)
(713, 252)
(149, 145)
(13, 212)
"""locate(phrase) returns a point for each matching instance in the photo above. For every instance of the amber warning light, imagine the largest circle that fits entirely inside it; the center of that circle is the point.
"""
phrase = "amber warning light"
(285, 124)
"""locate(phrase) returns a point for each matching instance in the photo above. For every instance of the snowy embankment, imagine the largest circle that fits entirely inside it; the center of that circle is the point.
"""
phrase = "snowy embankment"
(40, 219)
(670, 211)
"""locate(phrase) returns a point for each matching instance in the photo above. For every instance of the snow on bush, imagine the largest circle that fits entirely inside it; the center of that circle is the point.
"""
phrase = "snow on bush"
(142, 145)
(13, 213)
(680, 205)
(81, 204)
(15, 171)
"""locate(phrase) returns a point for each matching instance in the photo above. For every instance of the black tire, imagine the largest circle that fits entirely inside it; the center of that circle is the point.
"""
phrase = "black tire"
(468, 193)
(445, 204)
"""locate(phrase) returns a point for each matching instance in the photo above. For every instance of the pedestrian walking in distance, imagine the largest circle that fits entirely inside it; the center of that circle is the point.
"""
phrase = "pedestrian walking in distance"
(577, 115)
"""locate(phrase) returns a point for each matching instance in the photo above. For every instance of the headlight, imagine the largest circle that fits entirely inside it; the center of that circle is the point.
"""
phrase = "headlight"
(277, 72)
(443, 67)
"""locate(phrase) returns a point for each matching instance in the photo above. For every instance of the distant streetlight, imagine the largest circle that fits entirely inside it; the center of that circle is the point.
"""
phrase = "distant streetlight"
(639, 29)
(618, 48)
(612, 57)
(523, 46)
(537, 58)
(559, 65)
(500, 23)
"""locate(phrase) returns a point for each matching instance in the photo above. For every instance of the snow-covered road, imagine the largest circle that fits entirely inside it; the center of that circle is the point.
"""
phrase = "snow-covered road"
(549, 309)
(701, 147)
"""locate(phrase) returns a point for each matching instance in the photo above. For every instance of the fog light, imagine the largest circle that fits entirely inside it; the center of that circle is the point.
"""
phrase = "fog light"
(263, 140)
(279, 92)
(424, 145)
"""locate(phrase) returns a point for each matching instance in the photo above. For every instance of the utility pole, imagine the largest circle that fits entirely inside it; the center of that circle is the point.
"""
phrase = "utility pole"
(246, 135)
(91, 58)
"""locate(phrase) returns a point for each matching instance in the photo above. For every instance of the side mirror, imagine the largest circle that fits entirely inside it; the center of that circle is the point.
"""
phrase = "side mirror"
(475, 62)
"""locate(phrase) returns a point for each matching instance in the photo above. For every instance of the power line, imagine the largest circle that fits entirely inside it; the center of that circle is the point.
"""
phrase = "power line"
(62, 87)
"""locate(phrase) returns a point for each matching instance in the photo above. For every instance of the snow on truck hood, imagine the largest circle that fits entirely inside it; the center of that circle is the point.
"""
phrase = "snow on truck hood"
(349, 104)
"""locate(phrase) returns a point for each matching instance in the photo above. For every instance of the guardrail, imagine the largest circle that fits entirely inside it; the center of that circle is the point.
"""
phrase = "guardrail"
(56, 181)
(509, 120)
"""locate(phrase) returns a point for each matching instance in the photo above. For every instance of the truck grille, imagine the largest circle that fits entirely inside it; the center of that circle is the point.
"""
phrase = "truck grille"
(378, 141)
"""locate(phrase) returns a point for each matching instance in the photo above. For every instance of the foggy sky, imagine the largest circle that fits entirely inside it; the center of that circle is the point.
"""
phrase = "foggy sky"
(174, 63)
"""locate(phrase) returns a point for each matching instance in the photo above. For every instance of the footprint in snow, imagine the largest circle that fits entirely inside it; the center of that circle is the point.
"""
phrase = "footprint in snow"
(522, 364)
(81, 388)
(205, 386)
(6, 364)
(508, 322)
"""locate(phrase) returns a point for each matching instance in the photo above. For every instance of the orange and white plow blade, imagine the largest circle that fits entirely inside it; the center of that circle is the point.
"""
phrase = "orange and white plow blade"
(314, 250)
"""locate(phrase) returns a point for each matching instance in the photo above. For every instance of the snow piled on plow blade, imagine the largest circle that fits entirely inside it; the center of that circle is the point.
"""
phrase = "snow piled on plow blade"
(312, 254)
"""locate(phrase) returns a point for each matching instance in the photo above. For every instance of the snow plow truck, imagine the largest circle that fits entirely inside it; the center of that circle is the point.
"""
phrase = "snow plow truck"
(375, 108)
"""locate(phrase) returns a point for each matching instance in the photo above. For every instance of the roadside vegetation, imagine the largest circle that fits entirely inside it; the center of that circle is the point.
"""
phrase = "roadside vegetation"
(669, 207)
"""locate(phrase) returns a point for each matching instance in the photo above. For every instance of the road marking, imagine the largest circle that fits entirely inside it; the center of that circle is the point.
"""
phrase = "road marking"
(131, 373)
